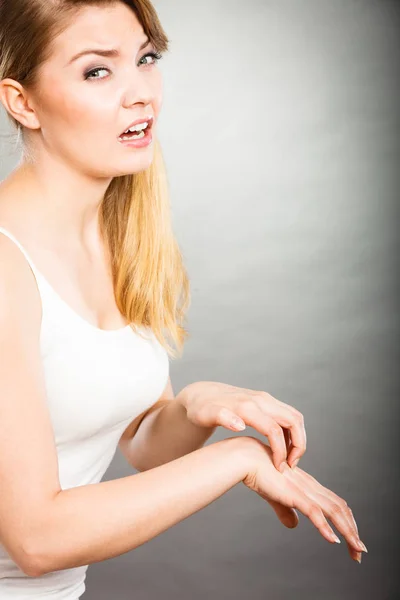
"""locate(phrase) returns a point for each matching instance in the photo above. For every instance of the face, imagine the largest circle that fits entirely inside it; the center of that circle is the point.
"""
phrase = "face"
(85, 104)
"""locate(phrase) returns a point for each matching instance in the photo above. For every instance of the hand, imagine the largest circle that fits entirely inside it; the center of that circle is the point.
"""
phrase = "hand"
(209, 404)
(294, 488)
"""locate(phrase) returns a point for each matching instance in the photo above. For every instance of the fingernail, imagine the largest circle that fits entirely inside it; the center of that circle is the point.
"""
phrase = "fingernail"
(363, 546)
(238, 424)
(282, 466)
(336, 539)
(296, 462)
(358, 559)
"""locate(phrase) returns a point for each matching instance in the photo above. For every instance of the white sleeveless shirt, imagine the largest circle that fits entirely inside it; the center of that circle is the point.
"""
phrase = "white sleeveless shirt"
(97, 382)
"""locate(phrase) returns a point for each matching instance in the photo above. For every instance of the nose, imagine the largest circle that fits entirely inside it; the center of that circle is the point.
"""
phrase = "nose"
(138, 91)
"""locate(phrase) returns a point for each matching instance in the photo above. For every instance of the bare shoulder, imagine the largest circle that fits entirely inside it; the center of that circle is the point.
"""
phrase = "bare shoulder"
(17, 281)
(18, 288)
(14, 203)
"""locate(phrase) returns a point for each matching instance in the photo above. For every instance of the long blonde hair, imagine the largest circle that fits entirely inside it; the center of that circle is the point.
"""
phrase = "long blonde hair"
(151, 284)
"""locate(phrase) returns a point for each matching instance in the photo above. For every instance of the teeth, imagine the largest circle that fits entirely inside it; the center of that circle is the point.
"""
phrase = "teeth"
(138, 137)
(139, 127)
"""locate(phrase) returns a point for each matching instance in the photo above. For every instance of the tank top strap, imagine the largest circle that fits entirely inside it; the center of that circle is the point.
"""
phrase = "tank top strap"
(35, 271)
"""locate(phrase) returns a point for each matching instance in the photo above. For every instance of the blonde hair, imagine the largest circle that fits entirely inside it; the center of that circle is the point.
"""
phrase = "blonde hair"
(151, 284)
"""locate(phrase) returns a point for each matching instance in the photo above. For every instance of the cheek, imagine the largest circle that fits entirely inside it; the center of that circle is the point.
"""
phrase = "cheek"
(157, 105)
(79, 108)
(158, 94)
(85, 110)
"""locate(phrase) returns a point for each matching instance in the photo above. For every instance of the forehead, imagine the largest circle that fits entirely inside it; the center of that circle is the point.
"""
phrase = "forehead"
(110, 25)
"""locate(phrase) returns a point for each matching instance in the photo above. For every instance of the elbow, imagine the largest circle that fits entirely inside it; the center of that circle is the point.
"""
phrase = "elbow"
(32, 570)
(37, 551)
(30, 562)
(37, 557)
(24, 556)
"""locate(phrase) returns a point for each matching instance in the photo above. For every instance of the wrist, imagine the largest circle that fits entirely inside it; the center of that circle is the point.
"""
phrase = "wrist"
(246, 450)
(183, 396)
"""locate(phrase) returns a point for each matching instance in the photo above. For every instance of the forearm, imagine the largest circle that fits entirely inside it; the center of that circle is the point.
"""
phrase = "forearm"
(164, 435)
(96, 522)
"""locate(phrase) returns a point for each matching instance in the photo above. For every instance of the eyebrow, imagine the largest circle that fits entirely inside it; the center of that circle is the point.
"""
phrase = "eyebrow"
(113, 52)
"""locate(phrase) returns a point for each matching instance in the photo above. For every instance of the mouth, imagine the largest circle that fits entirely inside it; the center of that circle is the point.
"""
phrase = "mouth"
(138, 129)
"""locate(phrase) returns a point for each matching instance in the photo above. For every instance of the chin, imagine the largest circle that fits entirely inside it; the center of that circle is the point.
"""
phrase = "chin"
(132, 170)
(125, 167)
(137, 163)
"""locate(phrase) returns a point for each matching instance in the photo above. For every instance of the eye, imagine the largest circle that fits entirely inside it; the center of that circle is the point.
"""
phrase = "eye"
(155, 55)
(89, 74)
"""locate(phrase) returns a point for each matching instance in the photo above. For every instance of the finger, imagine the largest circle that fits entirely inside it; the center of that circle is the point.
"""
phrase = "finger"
(289, 445)
(288, 516)
(286, 435)
(348, 511)
(298, 437)
(253, 416)
(334, 507)
(314, 512)
(227, 418)
(354, 554)
(313, 486)
(337, 514)
(289, 418)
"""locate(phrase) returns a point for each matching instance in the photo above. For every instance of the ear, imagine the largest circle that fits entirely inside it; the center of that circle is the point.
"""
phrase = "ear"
(16, 102)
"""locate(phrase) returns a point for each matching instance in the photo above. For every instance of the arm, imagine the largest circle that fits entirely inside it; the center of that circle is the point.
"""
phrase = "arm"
(95, 522)
(162, 434)
(45, 528)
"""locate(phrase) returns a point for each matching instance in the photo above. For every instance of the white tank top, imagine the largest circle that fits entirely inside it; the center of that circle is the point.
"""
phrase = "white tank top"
(97, 382)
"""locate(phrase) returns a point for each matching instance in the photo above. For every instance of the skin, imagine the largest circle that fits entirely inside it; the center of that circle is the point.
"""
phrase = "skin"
(72, 127)
(294, 489)
(208, 404)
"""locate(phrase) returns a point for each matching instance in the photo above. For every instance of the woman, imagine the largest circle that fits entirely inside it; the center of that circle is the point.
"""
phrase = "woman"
(87, 245)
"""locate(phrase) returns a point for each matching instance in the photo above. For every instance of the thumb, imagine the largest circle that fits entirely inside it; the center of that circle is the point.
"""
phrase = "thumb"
(288, 516)
(227, 418)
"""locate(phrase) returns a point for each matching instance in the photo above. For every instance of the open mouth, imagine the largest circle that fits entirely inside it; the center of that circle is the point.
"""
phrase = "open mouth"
(137, 131)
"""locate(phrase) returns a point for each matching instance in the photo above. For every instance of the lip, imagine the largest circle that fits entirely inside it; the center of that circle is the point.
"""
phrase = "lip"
(146, 119)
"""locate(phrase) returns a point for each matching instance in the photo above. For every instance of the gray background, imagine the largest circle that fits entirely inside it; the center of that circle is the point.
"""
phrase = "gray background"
(280, 129)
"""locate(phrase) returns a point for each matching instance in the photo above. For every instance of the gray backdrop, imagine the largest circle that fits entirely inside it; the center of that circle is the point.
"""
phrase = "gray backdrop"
(280, 129)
